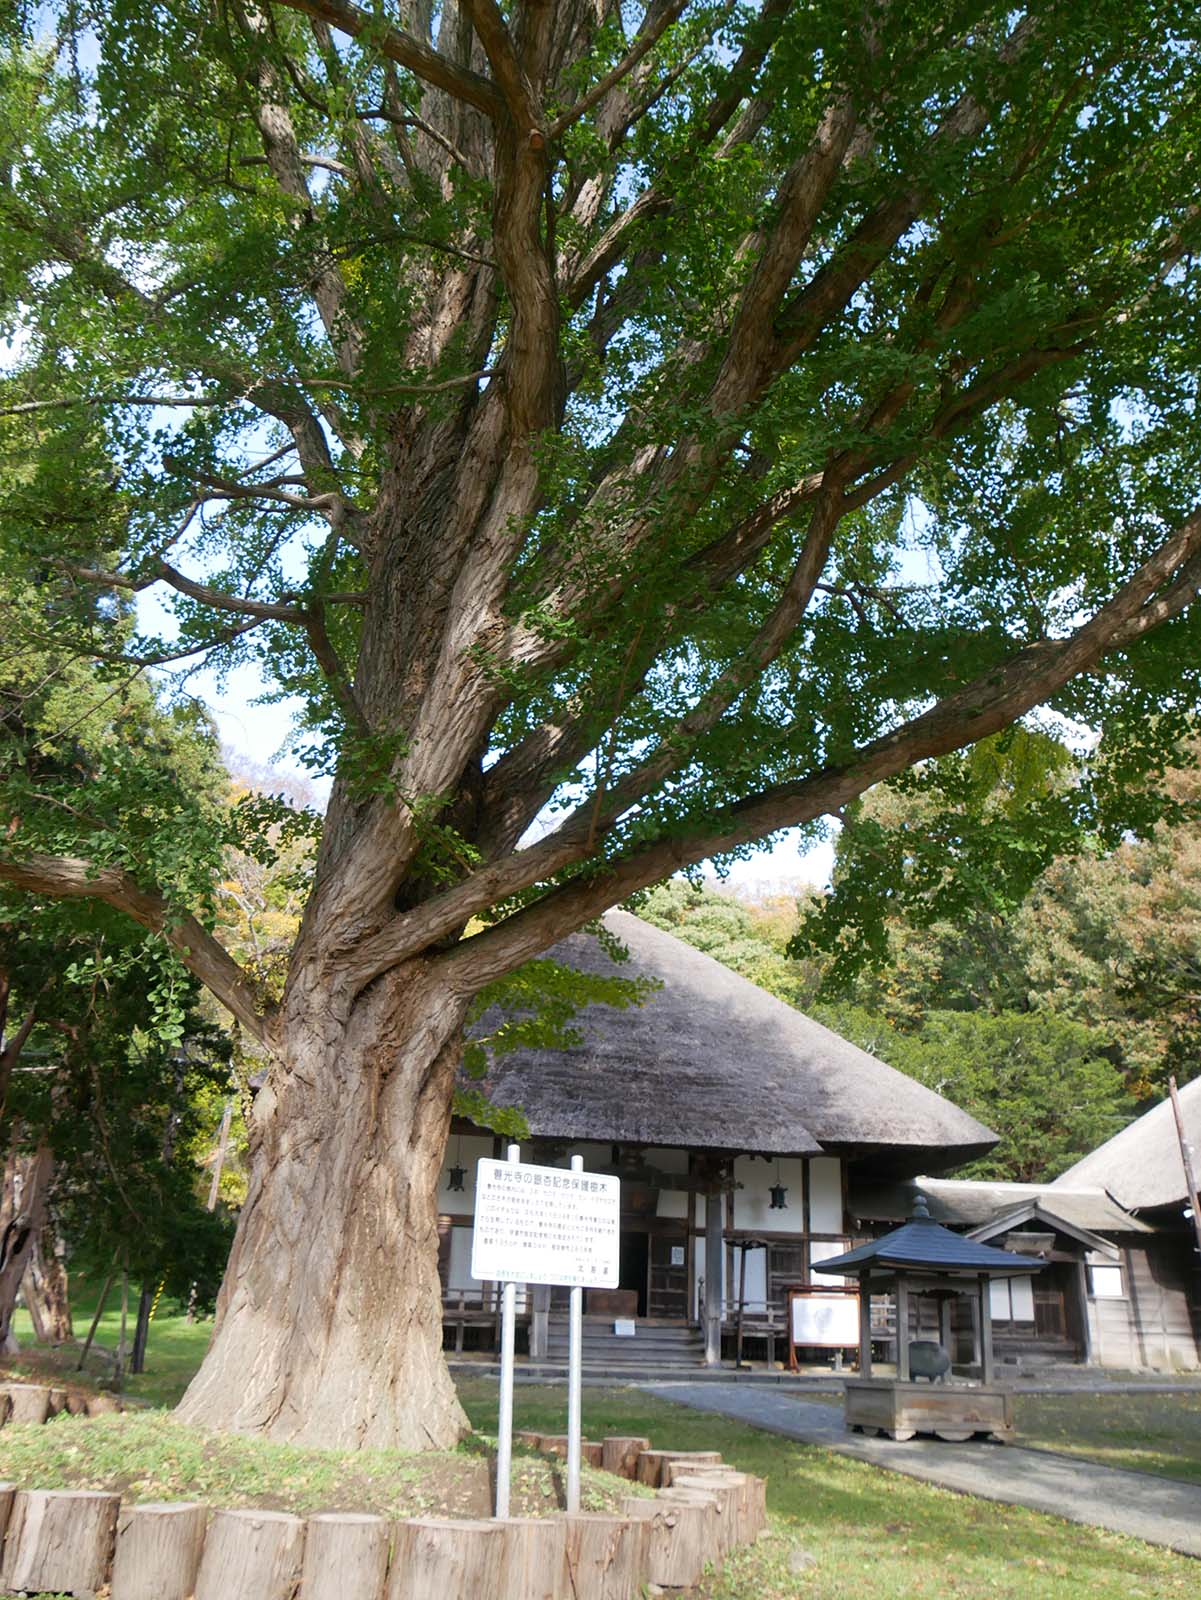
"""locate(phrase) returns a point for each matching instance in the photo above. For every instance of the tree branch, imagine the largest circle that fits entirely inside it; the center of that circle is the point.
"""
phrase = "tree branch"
(163, 572)
(648, 36)
(407, 51)
(993, 701)
(71, 878)
(520, 98)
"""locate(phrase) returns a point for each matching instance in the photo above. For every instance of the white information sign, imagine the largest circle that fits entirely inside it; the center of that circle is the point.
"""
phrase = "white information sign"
(819, 1319)
(545, 1225)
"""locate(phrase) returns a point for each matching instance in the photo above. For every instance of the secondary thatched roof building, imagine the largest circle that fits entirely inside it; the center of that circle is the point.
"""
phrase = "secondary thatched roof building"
(973, 1202)
(1141, 1167)
(711, 1062)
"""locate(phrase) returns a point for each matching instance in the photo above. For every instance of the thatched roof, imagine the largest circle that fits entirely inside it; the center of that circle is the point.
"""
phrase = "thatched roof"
(712, 1062)
(1141, 1167)
(969, 1203)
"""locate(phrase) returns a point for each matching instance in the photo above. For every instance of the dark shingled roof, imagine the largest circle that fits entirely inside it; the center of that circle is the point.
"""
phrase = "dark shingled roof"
(712, 1062)
(924, 1244)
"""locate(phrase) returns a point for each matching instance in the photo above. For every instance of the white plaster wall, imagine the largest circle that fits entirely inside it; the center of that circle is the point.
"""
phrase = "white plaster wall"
(752, 1203)
(464, 1152)
(825, 1195)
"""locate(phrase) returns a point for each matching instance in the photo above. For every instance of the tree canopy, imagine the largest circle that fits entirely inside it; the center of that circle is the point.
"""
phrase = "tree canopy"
(630, 431)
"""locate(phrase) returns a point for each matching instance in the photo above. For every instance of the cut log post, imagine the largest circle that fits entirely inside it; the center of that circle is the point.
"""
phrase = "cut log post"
(251, 1555)
(555, 1444)
(620, 1452)
(102, 1405)
(28, 1402)
(158, 1551)
(754, 1493)
(754, 1506)
(725, 1491)
(345, 1554)
(605, 1555)
(531, 1440)
(683, 1538)
(58, 1401)
(77, 1403)
(59, 1540)
(535, 1559)
(650, 1463)
(680, 1467)
(440, 1558)
(6, 1406)
(8, 1492)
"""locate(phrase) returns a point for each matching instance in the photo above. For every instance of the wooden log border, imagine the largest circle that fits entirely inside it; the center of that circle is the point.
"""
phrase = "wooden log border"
(87, 1542)
(34, 1402)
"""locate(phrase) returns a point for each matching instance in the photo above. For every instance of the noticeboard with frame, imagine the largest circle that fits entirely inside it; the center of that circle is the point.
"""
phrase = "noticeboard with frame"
(822, 1318)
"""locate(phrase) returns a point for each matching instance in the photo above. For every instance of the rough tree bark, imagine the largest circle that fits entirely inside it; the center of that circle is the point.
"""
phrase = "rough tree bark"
(22, 1217)
(329, 1322)
(46, 1289)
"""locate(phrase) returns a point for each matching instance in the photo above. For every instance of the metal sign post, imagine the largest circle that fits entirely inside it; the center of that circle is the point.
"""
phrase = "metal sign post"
(508, 1329)
(544, 1225)
(575, 1358)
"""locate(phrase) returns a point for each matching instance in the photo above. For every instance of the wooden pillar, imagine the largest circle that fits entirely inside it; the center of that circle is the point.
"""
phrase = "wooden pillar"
(539, 1321)
(865, 1327)
(986, 1361)
(944, 1325)
(713, 1266)
(902, 1328)
(1086, 1332)
(741, 1302)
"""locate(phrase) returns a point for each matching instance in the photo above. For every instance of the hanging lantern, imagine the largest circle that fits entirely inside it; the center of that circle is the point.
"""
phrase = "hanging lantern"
(456, 1179)
(778, 1202)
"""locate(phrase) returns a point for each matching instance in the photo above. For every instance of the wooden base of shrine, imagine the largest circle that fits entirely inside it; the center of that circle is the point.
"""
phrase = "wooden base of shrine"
(951, 1411)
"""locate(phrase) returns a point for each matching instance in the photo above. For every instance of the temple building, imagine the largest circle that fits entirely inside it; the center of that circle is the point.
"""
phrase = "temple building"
(753, 1143)
(738, 1127)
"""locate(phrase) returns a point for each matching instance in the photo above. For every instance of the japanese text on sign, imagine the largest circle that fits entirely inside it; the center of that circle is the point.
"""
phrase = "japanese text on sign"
(545, 1225)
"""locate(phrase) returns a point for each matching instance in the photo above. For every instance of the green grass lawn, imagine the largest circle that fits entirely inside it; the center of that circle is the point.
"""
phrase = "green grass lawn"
(840, 1529)
(174, 1349)
(1159, 1433)
(147, 1455)
(843, 1530)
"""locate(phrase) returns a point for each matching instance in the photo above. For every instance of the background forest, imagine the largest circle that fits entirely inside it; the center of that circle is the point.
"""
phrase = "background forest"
(1054, 1018)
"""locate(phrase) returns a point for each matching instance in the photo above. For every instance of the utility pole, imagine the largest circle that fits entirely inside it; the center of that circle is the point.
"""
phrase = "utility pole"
(1186, 1155)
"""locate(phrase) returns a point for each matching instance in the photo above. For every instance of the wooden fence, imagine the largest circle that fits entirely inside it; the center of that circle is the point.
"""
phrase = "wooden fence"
(77, 1542)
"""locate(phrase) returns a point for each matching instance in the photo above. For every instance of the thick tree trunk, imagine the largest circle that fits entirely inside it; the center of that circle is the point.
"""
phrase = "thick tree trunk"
(329, 1322)
(22, 1216)
(46, 1289)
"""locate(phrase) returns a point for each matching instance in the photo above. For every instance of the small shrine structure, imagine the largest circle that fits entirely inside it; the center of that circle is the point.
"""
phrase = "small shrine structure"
(923, 1258)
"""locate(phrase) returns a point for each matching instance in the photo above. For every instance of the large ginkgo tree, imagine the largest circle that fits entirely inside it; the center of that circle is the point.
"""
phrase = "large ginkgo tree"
(630, 431)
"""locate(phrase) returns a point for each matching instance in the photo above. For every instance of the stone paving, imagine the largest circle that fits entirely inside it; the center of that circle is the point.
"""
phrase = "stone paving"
(1163, 1511)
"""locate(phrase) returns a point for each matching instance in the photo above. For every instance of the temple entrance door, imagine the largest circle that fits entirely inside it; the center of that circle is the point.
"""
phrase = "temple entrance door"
(634, 1266)
(669, 1276)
